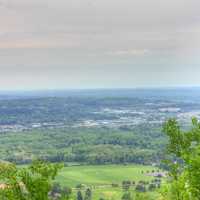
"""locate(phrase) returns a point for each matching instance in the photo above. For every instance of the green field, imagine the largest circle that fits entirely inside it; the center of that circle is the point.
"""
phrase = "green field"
(102, 175)
(100, 178)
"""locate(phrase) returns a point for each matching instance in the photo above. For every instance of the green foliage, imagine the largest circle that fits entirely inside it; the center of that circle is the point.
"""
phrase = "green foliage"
(88, 194)
(59, 192)
(185, 167)
(56, 188)
(79, 195)
(152, 187)
(140, 188)
(143, 196)
(126, 196)
(83, 145)
(66, 193)
(31, 183)
(126, 185)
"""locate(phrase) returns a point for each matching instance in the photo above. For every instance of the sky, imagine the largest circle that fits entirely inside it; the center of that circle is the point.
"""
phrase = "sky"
(66, 44)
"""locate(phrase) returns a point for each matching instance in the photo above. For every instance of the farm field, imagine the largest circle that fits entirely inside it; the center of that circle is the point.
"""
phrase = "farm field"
(102, 174)
(101, 178)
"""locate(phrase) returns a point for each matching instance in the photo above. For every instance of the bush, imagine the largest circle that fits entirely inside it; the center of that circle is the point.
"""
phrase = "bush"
(115, 185)
(126, 185)
(152, 187)
(140, 188)
(126, 196)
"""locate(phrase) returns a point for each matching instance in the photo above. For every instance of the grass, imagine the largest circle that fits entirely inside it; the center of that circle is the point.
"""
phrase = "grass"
(116, 194)
(102, 175)
(99, 179)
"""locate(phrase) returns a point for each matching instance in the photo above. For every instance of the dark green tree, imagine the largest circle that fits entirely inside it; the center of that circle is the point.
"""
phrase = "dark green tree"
(88, 194)
(184, 147)
(66, 193)
(140, 188)
(126, 185)
(79, 195)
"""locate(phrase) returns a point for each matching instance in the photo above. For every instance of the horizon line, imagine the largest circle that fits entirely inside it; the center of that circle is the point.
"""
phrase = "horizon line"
(99, 88)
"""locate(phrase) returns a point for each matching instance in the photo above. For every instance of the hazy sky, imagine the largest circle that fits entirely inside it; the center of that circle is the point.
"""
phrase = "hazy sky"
(99, 43)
